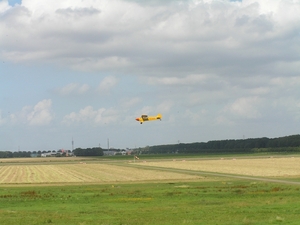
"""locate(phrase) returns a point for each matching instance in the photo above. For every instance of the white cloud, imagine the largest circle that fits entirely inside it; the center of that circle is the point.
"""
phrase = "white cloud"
(161, 107)
(94, 64)
(193, 79)
(158, 39)
(247, 107)
(145, 110)
(128, 103)
(195, 117)
(207, 62)
(290, 104)
(284, 82)
(165, 107)
(84, 88)
(107, 84)
(4, 6)
(73, 88)
(39, 115)
(223, 120)
(89, 115)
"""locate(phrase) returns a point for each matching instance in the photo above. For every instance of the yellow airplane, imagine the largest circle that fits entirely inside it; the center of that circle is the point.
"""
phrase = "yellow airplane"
(144, 118)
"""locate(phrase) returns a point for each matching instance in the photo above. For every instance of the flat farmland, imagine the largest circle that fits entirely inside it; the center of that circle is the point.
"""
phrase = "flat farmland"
(98, 171)
(150, 191)
(262, 167)
(79, 172)
(44, 160)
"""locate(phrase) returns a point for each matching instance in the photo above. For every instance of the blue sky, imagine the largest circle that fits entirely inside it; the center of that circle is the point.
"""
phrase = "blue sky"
(85, 70)
(13, 2)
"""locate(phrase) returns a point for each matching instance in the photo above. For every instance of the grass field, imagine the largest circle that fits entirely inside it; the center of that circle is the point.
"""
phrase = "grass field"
(93, 191)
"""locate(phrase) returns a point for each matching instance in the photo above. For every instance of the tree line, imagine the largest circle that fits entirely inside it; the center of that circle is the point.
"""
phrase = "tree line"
(88, 151)
(251, 145)
(60, 153)
(19, 154)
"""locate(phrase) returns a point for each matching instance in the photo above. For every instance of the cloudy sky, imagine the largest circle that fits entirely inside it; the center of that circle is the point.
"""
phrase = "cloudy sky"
(215, 69)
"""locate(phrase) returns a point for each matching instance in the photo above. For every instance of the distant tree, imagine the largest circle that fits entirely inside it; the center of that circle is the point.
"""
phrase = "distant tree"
(5, 154)
(88, 152)
(282, 144)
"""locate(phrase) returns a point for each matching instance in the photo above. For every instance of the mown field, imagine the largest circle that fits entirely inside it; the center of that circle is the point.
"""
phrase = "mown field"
(93, 191)
(265, 167)
(83, 173)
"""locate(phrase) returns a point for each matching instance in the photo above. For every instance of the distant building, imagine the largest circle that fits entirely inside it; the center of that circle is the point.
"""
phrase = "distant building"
(48, 154)
(129, 152)
(123, 152)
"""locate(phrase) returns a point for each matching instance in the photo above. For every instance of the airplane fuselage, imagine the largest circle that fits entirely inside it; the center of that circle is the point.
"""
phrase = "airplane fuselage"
(145, 118)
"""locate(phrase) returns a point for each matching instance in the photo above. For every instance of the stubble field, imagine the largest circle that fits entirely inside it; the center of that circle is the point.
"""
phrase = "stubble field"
(82, 173)
(263, 167)
(155, 191)
(62, 171)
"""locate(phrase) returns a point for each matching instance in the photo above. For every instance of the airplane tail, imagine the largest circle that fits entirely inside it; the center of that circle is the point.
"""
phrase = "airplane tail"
(159, 116)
